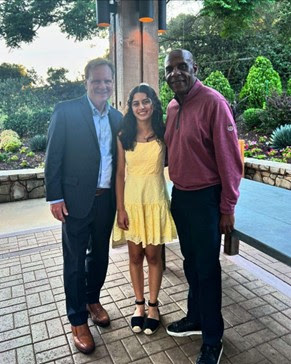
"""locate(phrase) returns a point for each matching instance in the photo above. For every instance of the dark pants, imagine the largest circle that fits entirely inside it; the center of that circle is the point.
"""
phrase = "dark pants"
(196, 215)
(85, 251)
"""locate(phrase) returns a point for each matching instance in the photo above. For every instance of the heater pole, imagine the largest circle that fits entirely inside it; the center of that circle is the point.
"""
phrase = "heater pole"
(133, 50)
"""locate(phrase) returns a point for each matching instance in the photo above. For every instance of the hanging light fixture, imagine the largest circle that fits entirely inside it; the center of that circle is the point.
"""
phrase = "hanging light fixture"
(102, 13)
(103, 10)
(162, 26)
(146, 11)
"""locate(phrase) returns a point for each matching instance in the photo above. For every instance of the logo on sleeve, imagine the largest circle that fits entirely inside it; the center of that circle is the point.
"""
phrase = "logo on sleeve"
(230, 127)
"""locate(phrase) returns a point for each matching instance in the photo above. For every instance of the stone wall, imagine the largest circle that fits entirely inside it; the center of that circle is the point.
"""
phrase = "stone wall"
(24, 184)
(272, 173)
(21, 184)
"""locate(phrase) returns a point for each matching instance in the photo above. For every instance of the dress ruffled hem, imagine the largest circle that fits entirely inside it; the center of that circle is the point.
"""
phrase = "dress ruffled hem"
(149, 224)
(136, 240)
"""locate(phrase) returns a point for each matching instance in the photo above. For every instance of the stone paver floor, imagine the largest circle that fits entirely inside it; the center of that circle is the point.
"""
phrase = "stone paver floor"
(34, 327)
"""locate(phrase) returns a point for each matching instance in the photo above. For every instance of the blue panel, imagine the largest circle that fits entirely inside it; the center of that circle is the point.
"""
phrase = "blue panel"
(263, 218)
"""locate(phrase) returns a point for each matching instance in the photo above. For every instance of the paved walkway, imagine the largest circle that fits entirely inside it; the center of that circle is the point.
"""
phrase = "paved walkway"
(34, 327)
(25, 215)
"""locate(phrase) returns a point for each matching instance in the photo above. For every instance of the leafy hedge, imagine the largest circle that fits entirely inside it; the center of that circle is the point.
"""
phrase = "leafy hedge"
(29, 122)
(261, 82)
(220, 83)
(27, 110)
(278, 111)
(254, 117)
(166, 95)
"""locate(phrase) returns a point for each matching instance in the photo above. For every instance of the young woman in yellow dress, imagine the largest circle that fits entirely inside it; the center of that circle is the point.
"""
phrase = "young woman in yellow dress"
(143, 215)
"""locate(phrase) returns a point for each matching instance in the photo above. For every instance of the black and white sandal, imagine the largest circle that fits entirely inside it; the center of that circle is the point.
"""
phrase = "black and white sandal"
(137, 322)
(151, 324)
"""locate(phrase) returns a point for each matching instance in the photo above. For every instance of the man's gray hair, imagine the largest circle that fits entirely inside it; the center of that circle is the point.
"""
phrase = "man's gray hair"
(97, 62)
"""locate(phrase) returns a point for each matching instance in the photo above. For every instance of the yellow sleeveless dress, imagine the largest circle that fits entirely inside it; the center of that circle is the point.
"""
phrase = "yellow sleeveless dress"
(146, 198)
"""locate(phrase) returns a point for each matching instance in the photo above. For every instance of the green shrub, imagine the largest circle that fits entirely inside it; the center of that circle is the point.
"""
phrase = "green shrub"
(286, 153)
(24, 164)
(3, 117)
(289, 87)
(166, 95)
(29, 121)
(9, 141)
(277, 160)
(261, 156)
(19, 120)
(220, 83)
(23, 150)
(256, 150)
(14, 158)
(281, 137)
(39, 121)
(254, 118)
(3, 157)
(278, 111)
(10, 144)
(248, 153)
(9, 133)
(261, 82)
(30, 154)
(38, 143)
(263, 139)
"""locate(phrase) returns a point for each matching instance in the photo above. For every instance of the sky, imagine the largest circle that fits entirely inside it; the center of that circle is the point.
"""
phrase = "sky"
(51, 48)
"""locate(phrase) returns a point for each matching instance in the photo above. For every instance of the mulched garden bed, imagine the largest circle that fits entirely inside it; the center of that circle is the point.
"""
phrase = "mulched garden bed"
(257, 145)
(25, 159)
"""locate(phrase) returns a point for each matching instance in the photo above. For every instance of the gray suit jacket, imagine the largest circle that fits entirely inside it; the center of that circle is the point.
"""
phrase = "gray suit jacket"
(73, 155)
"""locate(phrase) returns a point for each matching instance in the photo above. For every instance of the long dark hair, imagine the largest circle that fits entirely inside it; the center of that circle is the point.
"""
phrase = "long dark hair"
(128, 129)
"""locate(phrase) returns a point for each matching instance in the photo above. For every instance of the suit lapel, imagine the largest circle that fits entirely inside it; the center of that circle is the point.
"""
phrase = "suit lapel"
(113, 126)
(88, 118)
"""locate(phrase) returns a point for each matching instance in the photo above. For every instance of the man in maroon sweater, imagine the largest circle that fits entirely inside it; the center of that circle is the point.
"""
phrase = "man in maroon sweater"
(205, 167)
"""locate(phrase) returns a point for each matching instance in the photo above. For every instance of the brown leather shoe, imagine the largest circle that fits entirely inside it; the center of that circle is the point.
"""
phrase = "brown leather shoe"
(83, 338)
(98, 314)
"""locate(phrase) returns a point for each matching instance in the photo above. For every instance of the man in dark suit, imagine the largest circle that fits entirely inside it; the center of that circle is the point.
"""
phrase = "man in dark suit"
(80, 184)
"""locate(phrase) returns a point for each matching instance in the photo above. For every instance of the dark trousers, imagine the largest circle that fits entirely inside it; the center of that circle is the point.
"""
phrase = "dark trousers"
(85, 251)
(196, 215)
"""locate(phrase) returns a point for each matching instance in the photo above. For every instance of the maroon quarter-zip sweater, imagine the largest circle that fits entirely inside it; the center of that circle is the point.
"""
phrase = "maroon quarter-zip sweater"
(203, 146)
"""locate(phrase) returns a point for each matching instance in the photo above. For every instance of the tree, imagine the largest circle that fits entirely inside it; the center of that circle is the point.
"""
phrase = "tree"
(212, 52)
(26, 108)
(56, 76)
(21, 19)
(267, 35)
(217, 81)
(8, 70)
(261, 82)
(237, 15)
